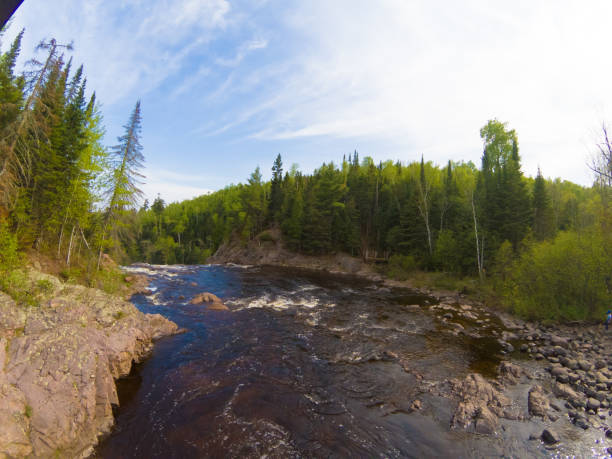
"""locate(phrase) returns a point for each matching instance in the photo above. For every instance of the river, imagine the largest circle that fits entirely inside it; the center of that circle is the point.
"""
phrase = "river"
(304, 364)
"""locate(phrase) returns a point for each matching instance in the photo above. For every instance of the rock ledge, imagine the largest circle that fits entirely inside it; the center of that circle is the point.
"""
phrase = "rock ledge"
(58, 365)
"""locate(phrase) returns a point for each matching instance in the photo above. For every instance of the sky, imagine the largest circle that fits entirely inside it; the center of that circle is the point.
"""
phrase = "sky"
(227, 85)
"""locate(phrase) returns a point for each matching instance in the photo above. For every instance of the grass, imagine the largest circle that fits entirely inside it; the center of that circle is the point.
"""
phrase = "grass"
(119, 315)
(28, 411)
(473, 287)
(109, 280)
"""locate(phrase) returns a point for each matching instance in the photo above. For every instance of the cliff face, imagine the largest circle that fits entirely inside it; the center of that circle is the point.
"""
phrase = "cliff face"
(270, 250)
(58, 365)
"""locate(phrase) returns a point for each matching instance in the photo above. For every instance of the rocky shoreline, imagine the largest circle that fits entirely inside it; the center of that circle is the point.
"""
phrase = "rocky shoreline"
(557, 378)
(58, 366)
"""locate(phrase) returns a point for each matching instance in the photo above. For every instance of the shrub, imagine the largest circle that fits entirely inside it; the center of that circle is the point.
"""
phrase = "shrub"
(562, 279)
(401, 266)
(110, 280)
(10, 258)
(266, 236)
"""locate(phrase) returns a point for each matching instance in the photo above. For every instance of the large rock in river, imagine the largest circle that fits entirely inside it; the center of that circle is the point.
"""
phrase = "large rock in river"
(480, 405)
(59, 363)
(214, 302)
(537, 402)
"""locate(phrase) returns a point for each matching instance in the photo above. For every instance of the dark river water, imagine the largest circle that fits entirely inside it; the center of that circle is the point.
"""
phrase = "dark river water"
(304, 365)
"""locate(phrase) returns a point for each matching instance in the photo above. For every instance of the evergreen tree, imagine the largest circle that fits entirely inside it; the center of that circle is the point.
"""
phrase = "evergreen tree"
(542, 209)
(506, 208)
(11, 106)
(122, 185)
(254, 203)
(276, 192)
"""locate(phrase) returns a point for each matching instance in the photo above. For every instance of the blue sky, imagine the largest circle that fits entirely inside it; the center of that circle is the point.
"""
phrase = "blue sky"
(226, 85)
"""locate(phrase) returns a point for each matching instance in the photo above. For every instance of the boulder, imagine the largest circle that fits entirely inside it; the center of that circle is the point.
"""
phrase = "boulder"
(550, 436)
(215, 303)
(569, 363)
(566, 392)
(510, 372)
(593, 404)
(477, 416)
(556, 340)
(537, 402)
(480, 405)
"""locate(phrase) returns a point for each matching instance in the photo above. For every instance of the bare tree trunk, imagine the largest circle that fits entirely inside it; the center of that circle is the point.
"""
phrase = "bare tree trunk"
(83, 236)
(59, 242)
(424, 211)
(478, 248)
(99, 258)
(70, 245)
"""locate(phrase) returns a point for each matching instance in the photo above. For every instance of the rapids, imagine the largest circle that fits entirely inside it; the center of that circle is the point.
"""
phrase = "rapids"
(304, 365)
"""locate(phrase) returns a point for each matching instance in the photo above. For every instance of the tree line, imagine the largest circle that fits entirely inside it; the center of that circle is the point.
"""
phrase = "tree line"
(62, 192)
(490, 222)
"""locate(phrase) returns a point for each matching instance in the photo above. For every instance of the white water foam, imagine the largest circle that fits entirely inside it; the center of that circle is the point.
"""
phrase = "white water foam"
(278, 303)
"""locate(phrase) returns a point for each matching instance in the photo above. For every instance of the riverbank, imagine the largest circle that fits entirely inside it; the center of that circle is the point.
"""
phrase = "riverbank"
(59, 362)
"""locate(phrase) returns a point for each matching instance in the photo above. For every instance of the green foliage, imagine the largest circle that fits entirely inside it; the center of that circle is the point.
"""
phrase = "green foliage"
(28, 411)
(266, 236)
(542, 209)
(108, 280)
(10, 257)
(44, 286)
(119, 315)
(401, 267)
(71, 274)
(561, 279)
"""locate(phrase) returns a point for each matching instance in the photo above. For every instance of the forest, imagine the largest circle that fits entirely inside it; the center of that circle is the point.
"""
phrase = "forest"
(542, 245)
(62, 192)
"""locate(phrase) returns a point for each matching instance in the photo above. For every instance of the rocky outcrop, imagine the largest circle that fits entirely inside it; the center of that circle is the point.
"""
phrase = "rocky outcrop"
(268, 249)
(58, 365)
(480, 405)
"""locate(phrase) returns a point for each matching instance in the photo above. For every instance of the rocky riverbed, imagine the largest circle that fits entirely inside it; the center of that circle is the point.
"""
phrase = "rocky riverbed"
(59, 362)
(556, 378)
(305, 363)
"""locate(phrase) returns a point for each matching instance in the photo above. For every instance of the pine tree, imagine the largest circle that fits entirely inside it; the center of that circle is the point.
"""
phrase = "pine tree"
(542, 209)
(506, 208)
(11, 105)
(254, 202)
(276, 192)
(122, 185)
(30, 129)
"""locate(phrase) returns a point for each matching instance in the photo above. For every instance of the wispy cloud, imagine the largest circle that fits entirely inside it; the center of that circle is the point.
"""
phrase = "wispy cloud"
(424, 73)
(128, 48)
(242, 52)
(172, 186)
